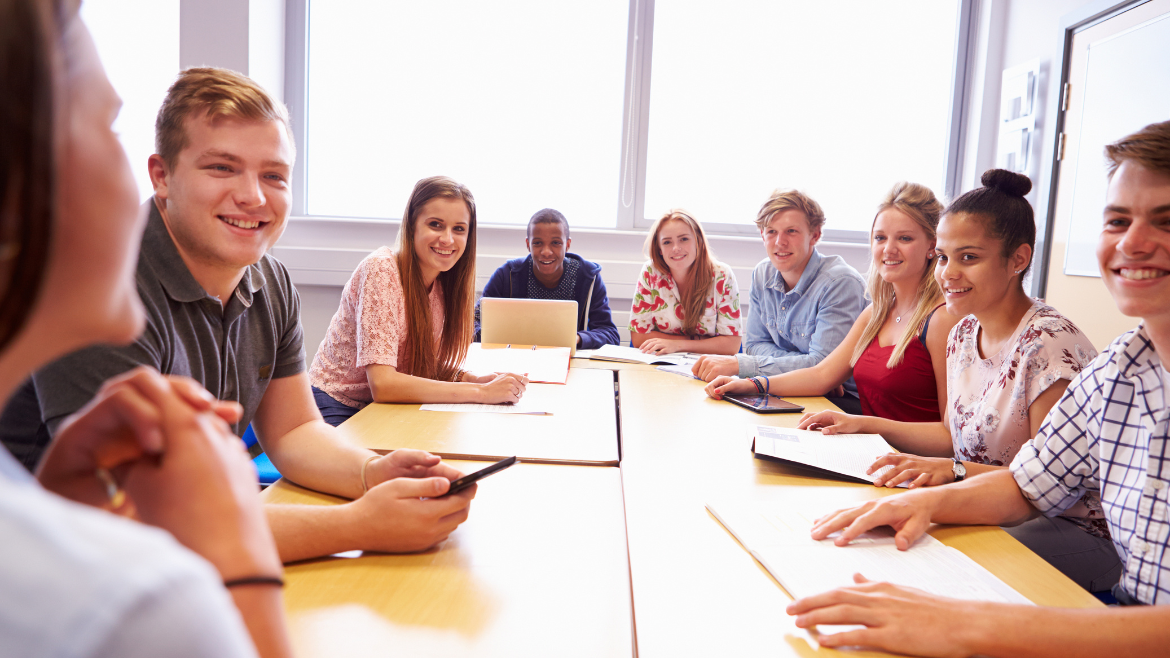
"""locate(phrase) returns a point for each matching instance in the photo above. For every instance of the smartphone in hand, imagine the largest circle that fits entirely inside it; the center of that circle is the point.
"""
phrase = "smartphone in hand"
(471, 478)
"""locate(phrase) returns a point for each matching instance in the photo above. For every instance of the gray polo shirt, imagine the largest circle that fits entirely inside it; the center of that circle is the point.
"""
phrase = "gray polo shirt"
(234, 350)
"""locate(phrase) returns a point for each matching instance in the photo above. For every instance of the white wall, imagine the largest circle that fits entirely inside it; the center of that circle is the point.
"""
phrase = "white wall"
(321, 253)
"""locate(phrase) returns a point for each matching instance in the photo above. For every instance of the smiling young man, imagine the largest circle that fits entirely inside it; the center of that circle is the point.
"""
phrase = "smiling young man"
(549, 271)
(1110, 432)
(802, 303)
(224, 312)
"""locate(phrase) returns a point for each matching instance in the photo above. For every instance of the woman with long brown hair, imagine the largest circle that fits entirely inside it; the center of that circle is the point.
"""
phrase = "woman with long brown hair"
(896, 350)
(405, 321)
(685, 300)
(76, 579)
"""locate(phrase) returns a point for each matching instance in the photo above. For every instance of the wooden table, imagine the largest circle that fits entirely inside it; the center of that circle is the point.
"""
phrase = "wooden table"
(598, 364)
(582, 428)
(696, 590)
(538, 569)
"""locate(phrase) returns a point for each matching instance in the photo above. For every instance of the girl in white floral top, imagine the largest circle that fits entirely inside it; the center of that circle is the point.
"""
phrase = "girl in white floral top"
(1008, 362)
(685, 300)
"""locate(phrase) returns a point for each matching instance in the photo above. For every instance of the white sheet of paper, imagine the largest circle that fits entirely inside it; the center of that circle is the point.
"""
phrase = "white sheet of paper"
(549, 365)
(684, 370)
(778, 536)
(520, 408)
(635, 355)
(848, 454)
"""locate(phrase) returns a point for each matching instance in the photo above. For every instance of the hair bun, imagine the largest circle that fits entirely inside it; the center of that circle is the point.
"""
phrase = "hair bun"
(1008, 182)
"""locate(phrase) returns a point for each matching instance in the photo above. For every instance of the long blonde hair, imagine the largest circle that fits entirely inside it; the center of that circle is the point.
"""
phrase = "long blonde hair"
(918, 203)
(702, 270)
(458, 288)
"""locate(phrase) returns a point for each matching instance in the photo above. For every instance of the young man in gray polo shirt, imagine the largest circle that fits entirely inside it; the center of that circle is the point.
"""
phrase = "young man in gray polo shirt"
(224, 312)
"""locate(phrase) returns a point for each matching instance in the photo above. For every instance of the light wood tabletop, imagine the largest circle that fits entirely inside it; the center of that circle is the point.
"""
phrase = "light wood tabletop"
(696, 590)
(539, 568)
(582, 428)
(598, 364)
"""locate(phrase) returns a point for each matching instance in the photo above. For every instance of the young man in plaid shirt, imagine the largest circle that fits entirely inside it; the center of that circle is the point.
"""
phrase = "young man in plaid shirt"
(1109, 432)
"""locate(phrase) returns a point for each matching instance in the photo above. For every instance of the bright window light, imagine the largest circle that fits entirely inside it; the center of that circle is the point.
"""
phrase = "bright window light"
(838, 99)
(138, 42)
(519, 100)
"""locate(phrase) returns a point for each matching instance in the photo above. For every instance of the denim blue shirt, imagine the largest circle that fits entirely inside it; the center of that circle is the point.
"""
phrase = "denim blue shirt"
(793, 329)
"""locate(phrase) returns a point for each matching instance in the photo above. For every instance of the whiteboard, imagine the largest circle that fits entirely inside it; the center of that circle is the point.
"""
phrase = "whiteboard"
(1127, 87)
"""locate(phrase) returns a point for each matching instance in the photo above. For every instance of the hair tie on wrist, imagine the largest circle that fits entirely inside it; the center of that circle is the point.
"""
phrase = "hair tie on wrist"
(254, 580)
(366, 487)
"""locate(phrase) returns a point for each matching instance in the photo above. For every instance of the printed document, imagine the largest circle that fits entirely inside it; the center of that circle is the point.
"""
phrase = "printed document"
(778, 536)
(846, 454)
(634, 355)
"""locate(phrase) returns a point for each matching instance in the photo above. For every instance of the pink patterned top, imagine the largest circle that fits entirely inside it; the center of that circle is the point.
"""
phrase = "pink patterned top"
(988, 399)
(657, 306)
(368, 328)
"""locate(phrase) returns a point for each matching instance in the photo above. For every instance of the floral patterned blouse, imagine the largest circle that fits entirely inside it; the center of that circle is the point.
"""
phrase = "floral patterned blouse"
(657, 306)
(988, 399)
(369, 328)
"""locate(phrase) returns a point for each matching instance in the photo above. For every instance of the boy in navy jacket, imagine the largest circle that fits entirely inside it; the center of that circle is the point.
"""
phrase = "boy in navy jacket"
(549, 272)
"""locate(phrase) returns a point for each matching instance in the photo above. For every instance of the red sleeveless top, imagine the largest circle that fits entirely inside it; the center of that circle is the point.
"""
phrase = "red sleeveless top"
(908, 393)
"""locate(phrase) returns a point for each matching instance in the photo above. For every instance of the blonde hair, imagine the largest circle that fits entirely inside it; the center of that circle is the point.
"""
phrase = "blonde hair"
(918, 203)
(219, 93)
(782, 200)
(458, 285)
(702, 270)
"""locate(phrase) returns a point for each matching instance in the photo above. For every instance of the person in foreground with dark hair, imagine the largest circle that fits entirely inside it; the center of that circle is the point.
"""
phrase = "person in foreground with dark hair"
(78, 579)
(549, 271)
(1109, 433)
(1008, 361)
(222, 310)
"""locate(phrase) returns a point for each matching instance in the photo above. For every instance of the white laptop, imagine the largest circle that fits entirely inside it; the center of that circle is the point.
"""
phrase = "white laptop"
(547, 322)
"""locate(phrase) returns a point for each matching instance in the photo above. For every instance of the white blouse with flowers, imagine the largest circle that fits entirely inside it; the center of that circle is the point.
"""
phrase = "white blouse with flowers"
(657, 306)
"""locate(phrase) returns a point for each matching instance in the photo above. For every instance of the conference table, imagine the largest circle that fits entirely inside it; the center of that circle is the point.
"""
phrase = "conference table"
(578, 557)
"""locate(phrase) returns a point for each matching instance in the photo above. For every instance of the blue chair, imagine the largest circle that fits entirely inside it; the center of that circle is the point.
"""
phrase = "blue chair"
(264, 468)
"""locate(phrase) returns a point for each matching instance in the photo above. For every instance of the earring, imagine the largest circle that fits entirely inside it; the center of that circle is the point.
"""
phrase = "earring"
(1018, 271)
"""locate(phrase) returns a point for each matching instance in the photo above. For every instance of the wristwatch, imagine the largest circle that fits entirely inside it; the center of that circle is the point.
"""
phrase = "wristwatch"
(959, 470)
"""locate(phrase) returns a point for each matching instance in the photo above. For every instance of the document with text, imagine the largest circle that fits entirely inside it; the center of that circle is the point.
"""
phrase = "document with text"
(778, 536)
(625, 354)
(848, 455)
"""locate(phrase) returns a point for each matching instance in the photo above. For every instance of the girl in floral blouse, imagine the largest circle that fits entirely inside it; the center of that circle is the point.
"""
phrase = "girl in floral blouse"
(685, 300)
(1008, 362)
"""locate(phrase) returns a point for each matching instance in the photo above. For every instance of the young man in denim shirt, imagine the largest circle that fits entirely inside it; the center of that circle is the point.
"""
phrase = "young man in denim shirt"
(802, 303)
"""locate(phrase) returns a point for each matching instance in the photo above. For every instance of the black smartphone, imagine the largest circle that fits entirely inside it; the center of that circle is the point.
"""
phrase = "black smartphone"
(764, 404)
(471, 478)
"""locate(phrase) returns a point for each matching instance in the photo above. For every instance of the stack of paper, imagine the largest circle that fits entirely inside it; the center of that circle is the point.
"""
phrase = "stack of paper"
(848, 455)
(547, 365)
(778, 536)
(624, 354)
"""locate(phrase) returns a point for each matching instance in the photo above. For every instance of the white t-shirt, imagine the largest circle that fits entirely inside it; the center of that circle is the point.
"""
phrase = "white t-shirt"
(77, 581)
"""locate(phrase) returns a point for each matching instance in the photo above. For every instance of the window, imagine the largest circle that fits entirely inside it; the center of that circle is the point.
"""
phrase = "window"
(838, 99)
(138, 42)
(614, 111)
(520, 100)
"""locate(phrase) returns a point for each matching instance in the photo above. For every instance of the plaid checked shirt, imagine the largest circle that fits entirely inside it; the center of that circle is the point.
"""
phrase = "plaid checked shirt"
(1109, 433)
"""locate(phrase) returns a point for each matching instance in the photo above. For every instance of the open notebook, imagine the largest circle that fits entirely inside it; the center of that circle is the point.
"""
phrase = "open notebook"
(843, 456)
(778, 536)
(625, 354)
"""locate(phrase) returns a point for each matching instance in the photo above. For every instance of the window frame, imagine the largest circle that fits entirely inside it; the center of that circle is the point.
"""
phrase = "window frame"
(630, 206)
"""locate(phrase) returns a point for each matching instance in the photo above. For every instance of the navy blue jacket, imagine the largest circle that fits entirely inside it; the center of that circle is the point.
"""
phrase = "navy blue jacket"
(594, 323)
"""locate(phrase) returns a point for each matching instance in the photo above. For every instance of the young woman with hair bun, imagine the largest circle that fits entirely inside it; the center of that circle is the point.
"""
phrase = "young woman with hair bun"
(1008, 361)
(896, 350)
